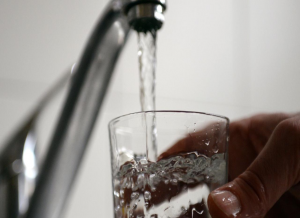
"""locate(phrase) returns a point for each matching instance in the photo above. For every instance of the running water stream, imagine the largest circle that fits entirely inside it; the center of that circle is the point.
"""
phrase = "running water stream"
(147, 68)
(175, 186)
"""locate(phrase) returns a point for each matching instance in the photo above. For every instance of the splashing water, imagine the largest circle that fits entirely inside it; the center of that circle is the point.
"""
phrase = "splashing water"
(173, 187)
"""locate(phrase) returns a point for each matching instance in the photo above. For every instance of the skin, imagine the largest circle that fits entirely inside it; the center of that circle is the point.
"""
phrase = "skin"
(264, 167)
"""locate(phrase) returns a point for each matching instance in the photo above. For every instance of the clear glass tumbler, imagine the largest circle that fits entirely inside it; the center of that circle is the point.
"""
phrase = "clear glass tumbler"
(165, 163)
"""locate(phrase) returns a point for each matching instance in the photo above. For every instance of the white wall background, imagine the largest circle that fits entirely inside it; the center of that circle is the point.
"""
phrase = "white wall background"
(233, 58)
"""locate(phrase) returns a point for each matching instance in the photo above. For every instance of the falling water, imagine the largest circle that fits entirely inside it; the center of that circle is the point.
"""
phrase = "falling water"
(147, 68)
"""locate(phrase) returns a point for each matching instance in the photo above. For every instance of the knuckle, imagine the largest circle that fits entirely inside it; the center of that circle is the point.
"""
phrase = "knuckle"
(255, 192)
(289, 127)
(261, 122)
(281, 116)
(289, 132)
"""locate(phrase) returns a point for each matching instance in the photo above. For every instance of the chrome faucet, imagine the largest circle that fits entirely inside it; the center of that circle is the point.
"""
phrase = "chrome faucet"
(31, 191)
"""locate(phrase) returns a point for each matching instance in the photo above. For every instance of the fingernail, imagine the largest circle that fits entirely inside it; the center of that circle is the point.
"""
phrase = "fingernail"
(227, 202)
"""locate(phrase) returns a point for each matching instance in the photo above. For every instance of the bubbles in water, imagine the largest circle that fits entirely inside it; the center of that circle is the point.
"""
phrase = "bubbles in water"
(135, 195)
(116, 193)
(122, 193)
(191, 181)
(183, 209)
(147, 196)
(128, 184)
(170, 173)
(174, 181)
(140, 178)
(143, 161)
(162, 173)
(117, 208)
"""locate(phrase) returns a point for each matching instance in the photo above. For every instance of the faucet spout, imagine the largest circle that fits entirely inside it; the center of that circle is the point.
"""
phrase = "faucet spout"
(146, 16)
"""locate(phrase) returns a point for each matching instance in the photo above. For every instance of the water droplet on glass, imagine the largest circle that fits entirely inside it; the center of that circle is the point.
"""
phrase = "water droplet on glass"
(153, 189)
(122, 202)
(174, 181)
(215, 150)
(190, 181)
(207, 143)
(162, 173)
(166, 181)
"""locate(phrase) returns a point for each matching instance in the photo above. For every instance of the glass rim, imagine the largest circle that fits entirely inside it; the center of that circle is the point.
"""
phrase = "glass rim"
(168, 111)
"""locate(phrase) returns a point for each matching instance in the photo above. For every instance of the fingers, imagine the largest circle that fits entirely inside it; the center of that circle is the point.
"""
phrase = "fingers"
(262, 126)
(248, 137)
(273, 172)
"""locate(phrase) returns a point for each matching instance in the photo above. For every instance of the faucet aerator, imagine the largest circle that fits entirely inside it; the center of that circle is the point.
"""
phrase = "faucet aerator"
(144, 17)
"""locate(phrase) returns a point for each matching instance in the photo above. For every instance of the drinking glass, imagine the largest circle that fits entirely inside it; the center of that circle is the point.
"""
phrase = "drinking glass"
(165, 163)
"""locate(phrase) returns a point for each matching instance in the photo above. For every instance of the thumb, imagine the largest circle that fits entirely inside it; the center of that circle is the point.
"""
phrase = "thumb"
(271, 174)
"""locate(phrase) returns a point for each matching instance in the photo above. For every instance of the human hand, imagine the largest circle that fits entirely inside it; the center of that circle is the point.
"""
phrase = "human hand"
(264, 169)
